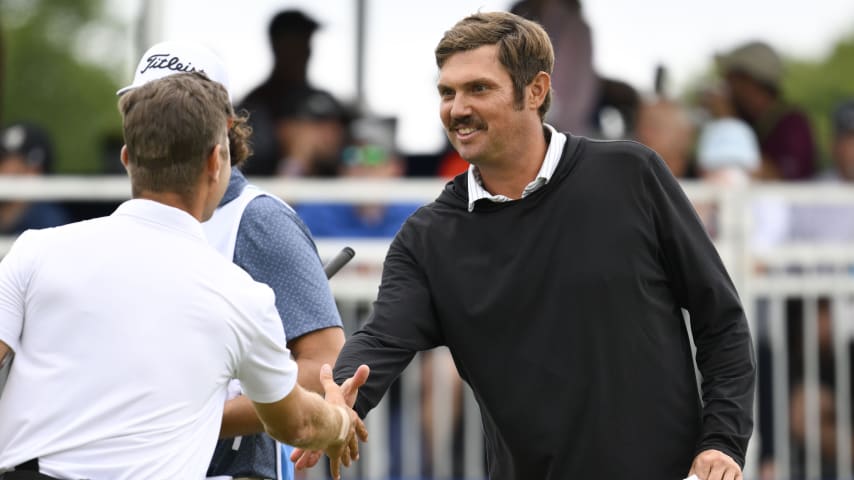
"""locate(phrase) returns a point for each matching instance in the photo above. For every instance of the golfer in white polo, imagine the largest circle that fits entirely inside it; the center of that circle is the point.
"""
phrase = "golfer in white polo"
(126, 329)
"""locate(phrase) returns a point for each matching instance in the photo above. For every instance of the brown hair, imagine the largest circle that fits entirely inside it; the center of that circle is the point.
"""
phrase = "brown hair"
(524, 47)
(170, 127)
(238, 138)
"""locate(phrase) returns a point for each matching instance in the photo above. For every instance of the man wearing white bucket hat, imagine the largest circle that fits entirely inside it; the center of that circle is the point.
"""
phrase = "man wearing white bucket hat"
(265, 237)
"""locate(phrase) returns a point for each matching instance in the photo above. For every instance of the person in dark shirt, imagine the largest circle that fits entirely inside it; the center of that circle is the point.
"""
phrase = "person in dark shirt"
(290, 33)
(311, 129)
(754, 73)
(26, 150)
(364, 220)
(556, 270)
(842, 144)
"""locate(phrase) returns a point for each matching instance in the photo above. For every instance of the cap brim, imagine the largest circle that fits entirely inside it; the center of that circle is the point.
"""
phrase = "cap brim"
(132, 86)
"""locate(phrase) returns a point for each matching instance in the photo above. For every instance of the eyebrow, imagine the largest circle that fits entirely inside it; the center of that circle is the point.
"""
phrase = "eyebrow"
(476, 81)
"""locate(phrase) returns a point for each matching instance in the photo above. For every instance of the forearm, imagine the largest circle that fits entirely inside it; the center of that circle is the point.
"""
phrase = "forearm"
(727, 363)
(309, 369)
(313, 350)
(305, 420)
(239, 418)
(728, 401)
(386, 361)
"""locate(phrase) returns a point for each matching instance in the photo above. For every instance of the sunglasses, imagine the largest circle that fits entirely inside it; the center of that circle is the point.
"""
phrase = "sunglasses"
(364, 155)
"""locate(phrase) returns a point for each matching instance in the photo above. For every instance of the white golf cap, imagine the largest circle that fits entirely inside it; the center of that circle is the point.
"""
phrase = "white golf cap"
(167, 58)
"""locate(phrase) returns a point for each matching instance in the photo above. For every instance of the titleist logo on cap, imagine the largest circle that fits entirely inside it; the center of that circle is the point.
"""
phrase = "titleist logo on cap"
(168, 62)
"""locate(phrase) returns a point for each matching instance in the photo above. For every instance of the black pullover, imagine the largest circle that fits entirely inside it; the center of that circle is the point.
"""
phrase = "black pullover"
(562, 312)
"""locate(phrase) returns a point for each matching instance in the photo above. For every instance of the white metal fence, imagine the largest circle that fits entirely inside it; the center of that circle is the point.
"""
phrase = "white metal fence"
(789, 249)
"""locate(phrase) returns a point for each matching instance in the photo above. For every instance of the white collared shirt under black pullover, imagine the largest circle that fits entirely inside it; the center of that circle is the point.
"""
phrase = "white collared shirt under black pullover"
(562, 311)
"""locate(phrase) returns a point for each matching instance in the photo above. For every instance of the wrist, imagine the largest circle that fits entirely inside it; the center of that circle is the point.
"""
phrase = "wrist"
(344, 432)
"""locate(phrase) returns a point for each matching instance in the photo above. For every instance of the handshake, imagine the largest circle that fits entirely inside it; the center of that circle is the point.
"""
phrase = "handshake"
(345, 448)
(314, 424)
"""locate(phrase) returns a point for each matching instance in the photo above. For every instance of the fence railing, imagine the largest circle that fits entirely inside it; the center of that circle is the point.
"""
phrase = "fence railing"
(791, 270)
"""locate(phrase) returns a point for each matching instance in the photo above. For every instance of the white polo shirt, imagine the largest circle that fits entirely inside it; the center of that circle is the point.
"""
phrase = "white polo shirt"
(126, 330)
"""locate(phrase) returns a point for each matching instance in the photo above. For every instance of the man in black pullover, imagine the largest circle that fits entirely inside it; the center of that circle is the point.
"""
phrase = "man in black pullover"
(555, 271)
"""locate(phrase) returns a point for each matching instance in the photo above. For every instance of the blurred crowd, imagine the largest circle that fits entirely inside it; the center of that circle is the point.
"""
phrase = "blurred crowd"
(740, 129)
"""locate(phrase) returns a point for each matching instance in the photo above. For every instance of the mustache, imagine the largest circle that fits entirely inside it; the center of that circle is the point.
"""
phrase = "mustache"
(467, 121)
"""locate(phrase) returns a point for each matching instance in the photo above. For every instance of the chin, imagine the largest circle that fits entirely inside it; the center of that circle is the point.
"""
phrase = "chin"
(467, 156)
(466, 151)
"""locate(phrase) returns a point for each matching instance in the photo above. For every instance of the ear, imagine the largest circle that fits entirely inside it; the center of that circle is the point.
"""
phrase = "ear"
(213, 163)
(124, 156)
(538, 89)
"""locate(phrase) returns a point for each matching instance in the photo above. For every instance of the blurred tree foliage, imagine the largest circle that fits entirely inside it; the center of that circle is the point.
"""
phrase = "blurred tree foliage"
(54, 78)
(818, 86)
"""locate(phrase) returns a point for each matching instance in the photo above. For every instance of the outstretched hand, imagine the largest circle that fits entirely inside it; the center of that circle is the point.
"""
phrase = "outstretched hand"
(343, 396)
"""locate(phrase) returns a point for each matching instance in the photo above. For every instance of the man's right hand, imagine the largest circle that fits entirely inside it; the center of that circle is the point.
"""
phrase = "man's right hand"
(345, 396)
(344, 399)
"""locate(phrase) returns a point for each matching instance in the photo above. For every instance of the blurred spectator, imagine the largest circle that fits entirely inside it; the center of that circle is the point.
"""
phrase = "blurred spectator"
(754, 74)
(727, 155)
(819, 220)
(311, 129)
(26, 150)
(110, 154)
(727, 152)
(666, 127)
(842, 148)
(616, 110)
(585, 103)
(366, 159)
(290, 33)
(574, 80)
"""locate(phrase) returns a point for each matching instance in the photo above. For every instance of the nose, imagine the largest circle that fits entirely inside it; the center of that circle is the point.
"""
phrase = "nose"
(460, 106)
